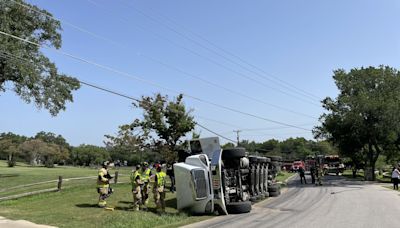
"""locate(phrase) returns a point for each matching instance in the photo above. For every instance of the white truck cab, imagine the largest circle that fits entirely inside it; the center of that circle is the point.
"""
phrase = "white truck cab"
(211, 179)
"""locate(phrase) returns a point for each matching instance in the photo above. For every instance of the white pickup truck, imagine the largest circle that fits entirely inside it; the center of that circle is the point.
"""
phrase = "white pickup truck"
(218, 180)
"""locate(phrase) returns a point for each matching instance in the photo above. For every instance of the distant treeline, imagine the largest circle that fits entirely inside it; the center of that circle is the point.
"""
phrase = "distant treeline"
(289, 149)
(48, 149)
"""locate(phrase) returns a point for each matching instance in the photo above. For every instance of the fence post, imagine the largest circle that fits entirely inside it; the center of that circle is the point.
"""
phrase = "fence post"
(59, 183)
(116, 177)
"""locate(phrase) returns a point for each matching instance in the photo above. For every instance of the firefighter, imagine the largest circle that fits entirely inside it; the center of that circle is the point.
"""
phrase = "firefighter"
(159, 188)
(145, 174)
(318, 174)
(136, 187)
(312, 172)
(103, 184)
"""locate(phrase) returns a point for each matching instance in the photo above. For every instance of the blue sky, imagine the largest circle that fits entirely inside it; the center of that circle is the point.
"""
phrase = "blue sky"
(299, 42)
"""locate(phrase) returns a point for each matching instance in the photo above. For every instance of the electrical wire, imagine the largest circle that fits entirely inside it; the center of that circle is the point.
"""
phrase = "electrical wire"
(111, 69)
(215, 133)
(128, 97)
(128, 22)
(281, 82)
(166, 65)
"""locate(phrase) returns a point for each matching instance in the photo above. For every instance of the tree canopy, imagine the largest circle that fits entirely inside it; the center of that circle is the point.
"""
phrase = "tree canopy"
(290, 149)
(363, 121)
(28, 72)
(164, 123)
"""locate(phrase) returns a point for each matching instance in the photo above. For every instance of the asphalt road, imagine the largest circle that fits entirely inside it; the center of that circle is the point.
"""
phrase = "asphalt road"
(338, 203)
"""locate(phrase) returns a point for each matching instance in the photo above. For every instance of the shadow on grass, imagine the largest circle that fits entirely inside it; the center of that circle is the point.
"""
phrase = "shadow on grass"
(86, 205)
(171, 203)
(125, 202)
(8, 175)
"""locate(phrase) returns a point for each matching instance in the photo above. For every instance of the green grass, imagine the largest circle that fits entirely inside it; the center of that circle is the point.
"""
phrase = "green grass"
(77, 207)
(76, 204)
(349, 175)
(283, 175)
(23, 175)
(360, 176)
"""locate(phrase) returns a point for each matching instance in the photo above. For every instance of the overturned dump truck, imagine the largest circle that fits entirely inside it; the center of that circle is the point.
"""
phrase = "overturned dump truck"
(216, 180)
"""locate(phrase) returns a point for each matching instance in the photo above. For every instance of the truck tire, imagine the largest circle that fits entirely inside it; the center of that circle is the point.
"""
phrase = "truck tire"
(238, 207)
(273, 188)
(233, 153)
(274, 194)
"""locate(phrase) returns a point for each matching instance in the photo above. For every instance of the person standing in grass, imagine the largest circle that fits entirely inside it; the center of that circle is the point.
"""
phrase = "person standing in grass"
(395, 178)
(159, 188)
(136, 187)
(170, 173)
(103, 184)
(145, 174)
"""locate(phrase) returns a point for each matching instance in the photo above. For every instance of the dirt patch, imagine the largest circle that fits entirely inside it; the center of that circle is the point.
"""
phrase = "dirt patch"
(20, 224)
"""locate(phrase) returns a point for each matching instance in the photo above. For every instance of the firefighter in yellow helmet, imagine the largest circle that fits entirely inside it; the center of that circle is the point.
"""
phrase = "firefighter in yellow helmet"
(159, 188)
(103, 184)
(145, 174)
(136, 187)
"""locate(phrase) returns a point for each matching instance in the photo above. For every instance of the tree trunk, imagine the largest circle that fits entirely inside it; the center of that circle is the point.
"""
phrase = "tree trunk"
(369, 174)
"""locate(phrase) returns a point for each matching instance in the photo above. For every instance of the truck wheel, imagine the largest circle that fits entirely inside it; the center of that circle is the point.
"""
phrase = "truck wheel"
(233, 153)
(274, 194)
(238, 207)
(273, 188)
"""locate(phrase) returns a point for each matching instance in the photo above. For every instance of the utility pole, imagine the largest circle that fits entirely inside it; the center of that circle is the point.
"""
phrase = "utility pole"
(237, 136)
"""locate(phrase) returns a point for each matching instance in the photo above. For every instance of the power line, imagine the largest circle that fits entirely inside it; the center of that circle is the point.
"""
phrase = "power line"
(111, 69)
(8, 55)
(225, 88)
(215, 133)
(217, 121)
(279, 81)
(165, 18)
(126, 20)
(124, 96)
(164, 64)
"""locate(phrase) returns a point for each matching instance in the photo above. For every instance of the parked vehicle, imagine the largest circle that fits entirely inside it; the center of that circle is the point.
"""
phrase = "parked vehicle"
(333, 164)
(297, 165)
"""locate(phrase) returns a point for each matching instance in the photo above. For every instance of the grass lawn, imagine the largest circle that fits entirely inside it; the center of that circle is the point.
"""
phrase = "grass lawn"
(23, 175)
(283, 175)
(76, 205)
(349, 174)
(360, 176)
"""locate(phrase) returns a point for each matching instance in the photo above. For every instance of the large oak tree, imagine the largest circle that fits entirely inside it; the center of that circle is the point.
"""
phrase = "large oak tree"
(363, 121)
(23, 67)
